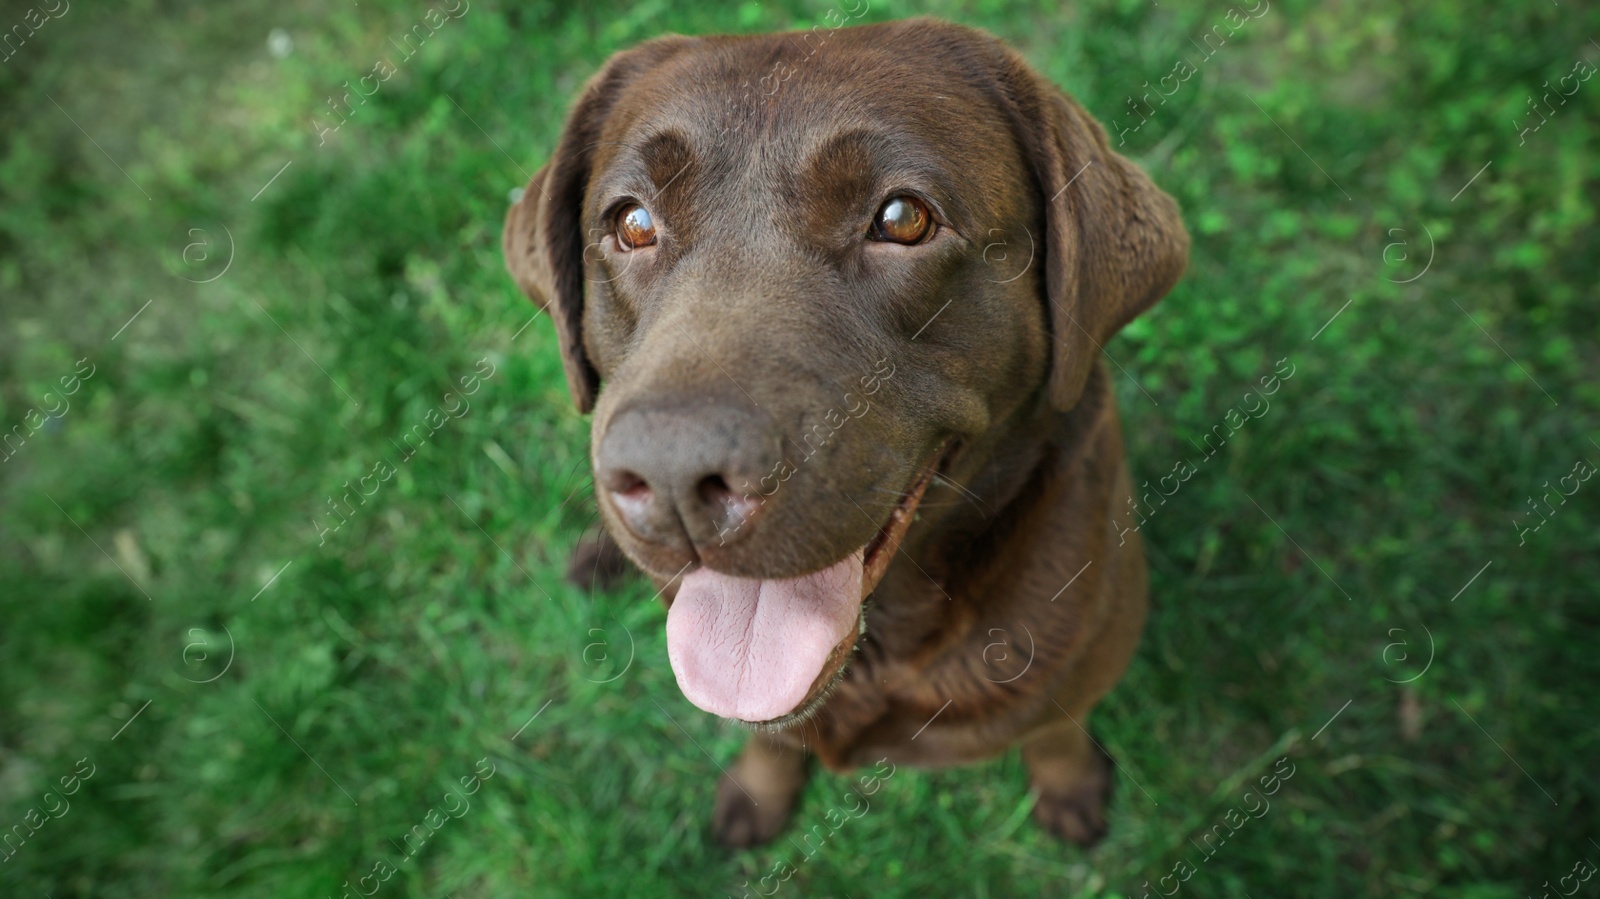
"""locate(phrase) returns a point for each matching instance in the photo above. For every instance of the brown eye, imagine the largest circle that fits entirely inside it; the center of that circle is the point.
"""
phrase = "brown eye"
(635, 228)
(902, 220)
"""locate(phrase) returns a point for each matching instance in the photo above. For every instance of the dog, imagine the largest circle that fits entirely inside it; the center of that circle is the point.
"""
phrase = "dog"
(837, 300)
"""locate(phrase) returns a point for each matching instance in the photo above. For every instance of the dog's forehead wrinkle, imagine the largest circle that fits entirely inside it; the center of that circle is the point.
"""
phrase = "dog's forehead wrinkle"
(754, 179)
(763, 86)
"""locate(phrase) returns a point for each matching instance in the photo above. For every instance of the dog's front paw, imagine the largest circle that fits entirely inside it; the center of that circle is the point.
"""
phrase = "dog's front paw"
(1072, 780)
(739, 821)
(1077, 815)
(758, 791)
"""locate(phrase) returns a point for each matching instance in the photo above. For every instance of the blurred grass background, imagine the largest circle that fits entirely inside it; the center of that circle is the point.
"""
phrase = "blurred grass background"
(283, 741)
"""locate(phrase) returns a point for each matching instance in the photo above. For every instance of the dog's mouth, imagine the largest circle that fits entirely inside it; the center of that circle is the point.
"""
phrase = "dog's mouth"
(768, 651)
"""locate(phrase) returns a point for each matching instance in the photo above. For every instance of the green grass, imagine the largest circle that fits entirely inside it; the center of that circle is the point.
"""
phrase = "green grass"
(428, 629)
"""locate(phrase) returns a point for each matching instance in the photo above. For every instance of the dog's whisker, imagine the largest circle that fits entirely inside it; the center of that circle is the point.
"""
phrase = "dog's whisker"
(958, 501)
(962, 490)
(937, 477)
(594, 578)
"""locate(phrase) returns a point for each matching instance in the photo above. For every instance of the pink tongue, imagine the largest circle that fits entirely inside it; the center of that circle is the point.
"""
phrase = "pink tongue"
(750, 649)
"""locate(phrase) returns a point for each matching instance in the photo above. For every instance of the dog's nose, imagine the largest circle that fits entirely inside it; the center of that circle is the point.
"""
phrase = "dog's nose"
(685, 475)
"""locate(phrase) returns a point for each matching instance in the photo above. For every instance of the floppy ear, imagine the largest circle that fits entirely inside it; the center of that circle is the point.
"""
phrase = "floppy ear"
(1114, 242)
(543, 241)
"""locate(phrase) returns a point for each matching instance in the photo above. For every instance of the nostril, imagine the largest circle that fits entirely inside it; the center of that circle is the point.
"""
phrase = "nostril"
(627, 485)
(730, 510)
(713, 490)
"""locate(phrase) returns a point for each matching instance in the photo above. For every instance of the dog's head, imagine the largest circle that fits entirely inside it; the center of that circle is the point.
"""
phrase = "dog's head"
(796, 275)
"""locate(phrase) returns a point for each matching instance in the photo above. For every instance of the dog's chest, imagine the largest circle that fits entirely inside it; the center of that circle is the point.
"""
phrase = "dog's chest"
(927, 687)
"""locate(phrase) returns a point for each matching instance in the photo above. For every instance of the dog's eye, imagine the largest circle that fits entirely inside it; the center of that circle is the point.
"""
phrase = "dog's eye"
(635, 228)
(902, 220)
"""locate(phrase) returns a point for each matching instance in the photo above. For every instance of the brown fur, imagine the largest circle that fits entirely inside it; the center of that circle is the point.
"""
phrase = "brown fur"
(760, 309)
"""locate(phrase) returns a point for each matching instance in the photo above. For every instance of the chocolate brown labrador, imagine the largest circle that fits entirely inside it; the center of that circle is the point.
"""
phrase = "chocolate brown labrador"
(837, 301)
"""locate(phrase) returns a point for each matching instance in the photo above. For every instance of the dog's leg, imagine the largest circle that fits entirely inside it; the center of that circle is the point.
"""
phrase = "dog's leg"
(756, 795)
(1070, 772)
(1071, 775)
